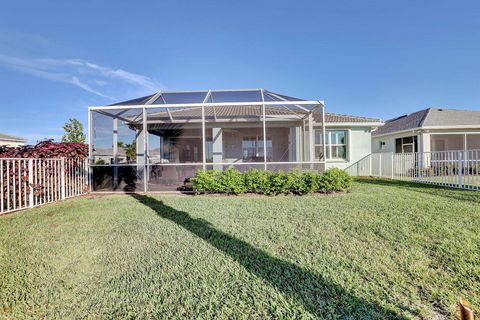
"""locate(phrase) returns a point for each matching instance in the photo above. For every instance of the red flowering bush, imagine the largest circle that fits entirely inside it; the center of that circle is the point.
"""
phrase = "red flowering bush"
(47, 149)
(46, 173)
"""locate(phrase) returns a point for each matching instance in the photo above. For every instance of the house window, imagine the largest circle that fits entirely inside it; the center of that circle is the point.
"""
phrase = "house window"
(381, 145)
(252, 148)
(336, 144)
(406, 145)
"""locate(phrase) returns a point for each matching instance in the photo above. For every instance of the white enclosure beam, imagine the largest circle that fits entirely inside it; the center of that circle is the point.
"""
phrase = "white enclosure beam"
(115, 152)
(145, 151)
(324, 136)
(204, 138)
(90, 149)
(210, 104)
(114, 116)
(311, 138)
(204, 155)
(264, 133)
(168, 110)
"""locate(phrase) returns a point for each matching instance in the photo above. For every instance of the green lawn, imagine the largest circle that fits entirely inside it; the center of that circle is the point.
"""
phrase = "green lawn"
(386, 250)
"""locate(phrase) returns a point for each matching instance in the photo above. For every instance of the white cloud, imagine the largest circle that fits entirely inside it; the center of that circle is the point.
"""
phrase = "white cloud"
(86, 87)
(113, 84)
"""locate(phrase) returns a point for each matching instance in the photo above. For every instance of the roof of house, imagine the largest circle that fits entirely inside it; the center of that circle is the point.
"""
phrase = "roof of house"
(227, 112)
(108, 151)
(255, 112)
(8, 137)
(431, 117)
(343, 118)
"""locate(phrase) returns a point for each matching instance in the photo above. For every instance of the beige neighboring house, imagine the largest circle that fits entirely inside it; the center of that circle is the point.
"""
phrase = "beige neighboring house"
(432, 129)
(11, 141)
(104, 155)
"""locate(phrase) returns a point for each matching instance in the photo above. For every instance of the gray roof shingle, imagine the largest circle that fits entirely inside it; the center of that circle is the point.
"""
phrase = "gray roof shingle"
(228, 112)
(431, 117)
(335, 117)
(451, 117)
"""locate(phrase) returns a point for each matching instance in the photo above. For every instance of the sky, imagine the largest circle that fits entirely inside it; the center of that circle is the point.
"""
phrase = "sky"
(370, 58)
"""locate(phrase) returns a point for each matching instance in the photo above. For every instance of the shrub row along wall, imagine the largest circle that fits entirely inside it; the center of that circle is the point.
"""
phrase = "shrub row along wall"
(32, 175)
(267, 182)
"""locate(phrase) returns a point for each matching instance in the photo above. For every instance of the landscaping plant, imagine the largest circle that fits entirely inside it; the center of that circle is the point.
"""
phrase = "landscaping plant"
(267, 182)
(16, 177)
(334, 179)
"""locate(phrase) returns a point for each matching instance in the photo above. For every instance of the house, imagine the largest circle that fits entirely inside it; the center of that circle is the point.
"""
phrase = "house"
(11, 141)
(177, 133)
(104, 156)
(432, 129)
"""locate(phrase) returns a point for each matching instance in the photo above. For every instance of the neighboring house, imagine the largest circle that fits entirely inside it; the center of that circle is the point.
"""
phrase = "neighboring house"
(104, 156)
(432, 129)
(11, 141)
(253, 128)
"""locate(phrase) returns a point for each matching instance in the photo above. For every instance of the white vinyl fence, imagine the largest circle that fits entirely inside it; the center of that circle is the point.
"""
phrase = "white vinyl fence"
(456, 169)
(26, 183)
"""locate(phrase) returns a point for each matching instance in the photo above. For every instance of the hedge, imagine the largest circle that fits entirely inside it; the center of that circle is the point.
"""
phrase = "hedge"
(232, 181)
(47, 149)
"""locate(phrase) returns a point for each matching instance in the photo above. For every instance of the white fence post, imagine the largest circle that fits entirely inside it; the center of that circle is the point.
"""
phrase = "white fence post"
(370, 164)
(460, 169)
(62, 174)
(380, 164)
(392, 166)
(30, 183)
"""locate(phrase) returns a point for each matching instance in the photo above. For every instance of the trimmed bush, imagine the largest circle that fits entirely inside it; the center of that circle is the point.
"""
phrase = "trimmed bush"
(303, 182)
(280, 182)
(334, 180)
(257, 181)
(232, 181)
(207, 181)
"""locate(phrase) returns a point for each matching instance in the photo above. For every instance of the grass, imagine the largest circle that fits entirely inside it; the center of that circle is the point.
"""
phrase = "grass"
(387, 250)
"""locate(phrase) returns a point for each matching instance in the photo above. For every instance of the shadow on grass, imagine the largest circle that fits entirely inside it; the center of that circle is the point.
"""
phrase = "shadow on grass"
(457, 194)
(319, 297)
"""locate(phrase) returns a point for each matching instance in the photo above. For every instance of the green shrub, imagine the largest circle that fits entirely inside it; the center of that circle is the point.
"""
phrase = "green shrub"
(280, 182)
(303, 182)
(206, 181)
(267, 182)
(256, 181)
(310, 182)
(334, 179)
(231, 181)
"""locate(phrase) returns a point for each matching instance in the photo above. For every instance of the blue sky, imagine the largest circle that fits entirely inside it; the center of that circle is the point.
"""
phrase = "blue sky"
(371, 58)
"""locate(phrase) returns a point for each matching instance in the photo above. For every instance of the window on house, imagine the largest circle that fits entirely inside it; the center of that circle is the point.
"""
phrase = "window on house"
(381, 145)
(252, 148)
(406, 145)
(336, 144)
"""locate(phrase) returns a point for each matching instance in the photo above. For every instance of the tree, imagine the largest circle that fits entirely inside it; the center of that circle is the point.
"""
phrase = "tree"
(73, 131)
(130, 149)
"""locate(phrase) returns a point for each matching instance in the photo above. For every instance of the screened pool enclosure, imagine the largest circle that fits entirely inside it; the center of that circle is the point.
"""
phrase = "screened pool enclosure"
(158, 142)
